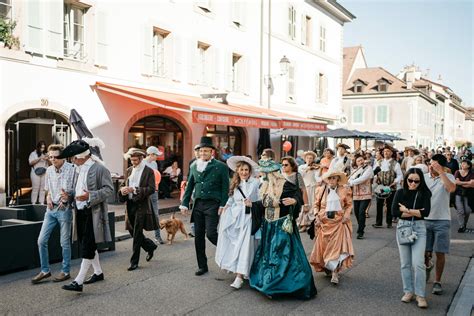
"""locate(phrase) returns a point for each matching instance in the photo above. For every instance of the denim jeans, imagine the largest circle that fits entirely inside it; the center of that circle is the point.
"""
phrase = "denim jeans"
(63, 218)
(412, 258)
(154, 202)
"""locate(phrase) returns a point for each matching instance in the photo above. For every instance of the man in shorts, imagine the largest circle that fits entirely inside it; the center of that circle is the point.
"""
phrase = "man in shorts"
(438, 223)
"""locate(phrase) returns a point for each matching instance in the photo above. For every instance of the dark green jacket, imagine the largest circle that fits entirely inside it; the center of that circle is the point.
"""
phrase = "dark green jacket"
(212, 183)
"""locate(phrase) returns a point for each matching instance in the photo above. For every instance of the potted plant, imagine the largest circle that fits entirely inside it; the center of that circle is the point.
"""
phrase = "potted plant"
(6, 34)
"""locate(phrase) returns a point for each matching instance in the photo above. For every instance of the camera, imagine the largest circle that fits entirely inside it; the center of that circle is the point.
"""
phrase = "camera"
(331, 214)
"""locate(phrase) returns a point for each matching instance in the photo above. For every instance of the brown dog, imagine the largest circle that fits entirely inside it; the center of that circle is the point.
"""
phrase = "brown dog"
(172, 225)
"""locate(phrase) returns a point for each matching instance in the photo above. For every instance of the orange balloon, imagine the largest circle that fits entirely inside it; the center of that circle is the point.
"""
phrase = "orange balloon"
(287, 146)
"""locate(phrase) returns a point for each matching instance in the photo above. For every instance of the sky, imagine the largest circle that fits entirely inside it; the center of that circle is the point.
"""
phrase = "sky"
(433, 34)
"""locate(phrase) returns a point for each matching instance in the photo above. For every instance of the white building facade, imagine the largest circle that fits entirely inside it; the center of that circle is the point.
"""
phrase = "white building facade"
(136, 73)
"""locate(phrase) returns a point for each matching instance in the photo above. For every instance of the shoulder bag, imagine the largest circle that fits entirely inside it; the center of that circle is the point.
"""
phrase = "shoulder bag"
(405, 233)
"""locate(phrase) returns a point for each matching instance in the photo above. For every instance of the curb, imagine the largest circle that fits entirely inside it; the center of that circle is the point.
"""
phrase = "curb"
(462, 303)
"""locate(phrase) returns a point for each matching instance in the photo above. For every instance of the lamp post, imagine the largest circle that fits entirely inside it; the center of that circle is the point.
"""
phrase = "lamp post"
(284, 66)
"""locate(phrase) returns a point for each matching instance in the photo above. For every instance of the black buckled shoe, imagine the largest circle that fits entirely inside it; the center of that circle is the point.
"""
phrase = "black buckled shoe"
(150, 254)
(94, 278)
(201, 271)
(73, 286)
(132, 267)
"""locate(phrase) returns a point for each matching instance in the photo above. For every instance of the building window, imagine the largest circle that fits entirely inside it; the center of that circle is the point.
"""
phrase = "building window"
(238, 12)
(306, 30)
(322, 39)
(357, 114)
(158, 46)
(74, 31)
(382, 114)
(290, 84)
(359, 88)
(227, 139)
(291, 22)
(237, 72)
(321, 88)
(204, 5)
(203, 51)
(5, 9)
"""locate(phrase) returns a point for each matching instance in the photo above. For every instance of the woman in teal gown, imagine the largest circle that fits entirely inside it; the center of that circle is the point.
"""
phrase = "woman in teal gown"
(280, 266)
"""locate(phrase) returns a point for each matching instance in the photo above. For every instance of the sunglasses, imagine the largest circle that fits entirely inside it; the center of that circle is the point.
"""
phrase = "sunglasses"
(413, 181)
(285, 164)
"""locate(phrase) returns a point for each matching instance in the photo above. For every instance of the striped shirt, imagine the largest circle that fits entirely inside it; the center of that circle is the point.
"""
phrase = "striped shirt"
(59, 179)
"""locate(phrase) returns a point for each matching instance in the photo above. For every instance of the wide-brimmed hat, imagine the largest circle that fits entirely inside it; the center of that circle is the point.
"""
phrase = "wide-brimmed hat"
(332, 172)
(205, 142)
(267, 166)
(311, 153)
(412, 148)
(346, 147)
(232, 163)
(387, 146)
(134, 152)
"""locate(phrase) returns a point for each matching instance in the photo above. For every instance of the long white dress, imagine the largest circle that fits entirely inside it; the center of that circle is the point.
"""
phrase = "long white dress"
(235, 245)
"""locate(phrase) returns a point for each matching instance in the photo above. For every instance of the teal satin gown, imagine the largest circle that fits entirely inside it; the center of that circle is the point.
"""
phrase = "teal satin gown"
(280, 265)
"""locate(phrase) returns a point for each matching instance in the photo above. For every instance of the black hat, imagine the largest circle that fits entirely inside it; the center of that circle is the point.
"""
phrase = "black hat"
(441, 159)
(76, 147)
(205, 142)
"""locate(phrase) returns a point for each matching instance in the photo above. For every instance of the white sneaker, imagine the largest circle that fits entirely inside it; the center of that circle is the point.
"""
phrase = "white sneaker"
(237, 284)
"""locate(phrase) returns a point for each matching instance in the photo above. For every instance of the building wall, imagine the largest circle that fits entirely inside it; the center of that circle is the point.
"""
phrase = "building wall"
(408, 117)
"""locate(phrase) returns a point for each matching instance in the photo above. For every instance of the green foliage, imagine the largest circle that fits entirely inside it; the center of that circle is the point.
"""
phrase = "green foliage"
(6, 33)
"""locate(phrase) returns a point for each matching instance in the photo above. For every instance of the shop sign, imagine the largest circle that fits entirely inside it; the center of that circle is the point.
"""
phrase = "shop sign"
(303, 125)
(233, 120)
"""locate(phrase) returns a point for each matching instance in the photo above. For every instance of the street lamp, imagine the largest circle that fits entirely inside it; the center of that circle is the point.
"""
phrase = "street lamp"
(284, 66)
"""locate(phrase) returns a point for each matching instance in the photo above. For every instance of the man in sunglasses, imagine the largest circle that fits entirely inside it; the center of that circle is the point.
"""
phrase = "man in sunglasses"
(58, 184)
(438, 223)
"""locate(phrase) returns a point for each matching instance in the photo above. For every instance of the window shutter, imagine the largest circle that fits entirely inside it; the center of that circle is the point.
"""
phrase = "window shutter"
(54, 28)
(147, 50)
(293, 24)
(303, 29)
(241, 74)
(324, 89)
(178, 58)
(290, 22)
(169, 56)
(236, 12)
(192, 62)
(34, 27)
(291, 83)
(317, 87)
(101, 53)
(228, 71)
(247, 76)
(210, 67)
(217, 69)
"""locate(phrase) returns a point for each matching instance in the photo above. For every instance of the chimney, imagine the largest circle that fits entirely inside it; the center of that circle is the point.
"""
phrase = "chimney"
(439, 80)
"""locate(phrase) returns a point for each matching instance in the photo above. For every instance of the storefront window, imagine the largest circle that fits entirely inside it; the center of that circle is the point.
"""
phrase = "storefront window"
(162, 133)
(227, 139)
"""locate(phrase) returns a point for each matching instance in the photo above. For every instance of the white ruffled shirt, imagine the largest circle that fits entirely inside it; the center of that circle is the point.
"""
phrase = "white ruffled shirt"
(81, 185)
(201, 164)
(333, 201)
(135, 176)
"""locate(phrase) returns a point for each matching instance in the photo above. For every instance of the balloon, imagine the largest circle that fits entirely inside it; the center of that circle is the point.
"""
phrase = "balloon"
(287, 146)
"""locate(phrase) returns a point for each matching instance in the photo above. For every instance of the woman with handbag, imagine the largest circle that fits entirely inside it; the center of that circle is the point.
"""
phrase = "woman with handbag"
(236, 243)
(333, 250)
(38, 161)
(464, 192)
(280, 266)
(412, 204)
(310, 172)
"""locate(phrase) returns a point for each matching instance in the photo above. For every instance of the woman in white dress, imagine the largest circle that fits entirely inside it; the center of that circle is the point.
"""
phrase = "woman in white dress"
(311, 173)
(236, 245)
(38, 161)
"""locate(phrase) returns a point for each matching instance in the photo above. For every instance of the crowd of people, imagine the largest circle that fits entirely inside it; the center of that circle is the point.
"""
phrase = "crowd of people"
(255, 217)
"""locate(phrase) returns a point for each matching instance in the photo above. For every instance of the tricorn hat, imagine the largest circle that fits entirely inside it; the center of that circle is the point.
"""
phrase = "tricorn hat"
(134, 152)
(205, 142)
(335, 172)
(346, 147)
(75, 148)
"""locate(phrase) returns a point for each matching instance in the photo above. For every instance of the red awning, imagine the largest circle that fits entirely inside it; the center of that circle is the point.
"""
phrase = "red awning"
(208, 112)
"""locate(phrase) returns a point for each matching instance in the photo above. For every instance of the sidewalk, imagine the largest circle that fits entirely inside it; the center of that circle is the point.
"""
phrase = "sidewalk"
(165, 205)
(167, 285)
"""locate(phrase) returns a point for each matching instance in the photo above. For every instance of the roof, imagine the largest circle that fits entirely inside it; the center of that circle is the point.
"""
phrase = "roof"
(348, 58)
(372, 75)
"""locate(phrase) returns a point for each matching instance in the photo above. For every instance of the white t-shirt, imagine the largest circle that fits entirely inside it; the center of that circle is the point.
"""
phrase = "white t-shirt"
(41, 163)
(439, 198)
(173, 173)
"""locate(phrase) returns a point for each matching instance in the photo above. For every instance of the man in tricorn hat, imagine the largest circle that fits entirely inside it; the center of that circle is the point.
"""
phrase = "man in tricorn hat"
(136, 191)
(390, 176)
(209, 179)
(341, 161)
(92, 187)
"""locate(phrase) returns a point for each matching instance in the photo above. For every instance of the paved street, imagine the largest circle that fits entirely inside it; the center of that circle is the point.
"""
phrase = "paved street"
(167, 284)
